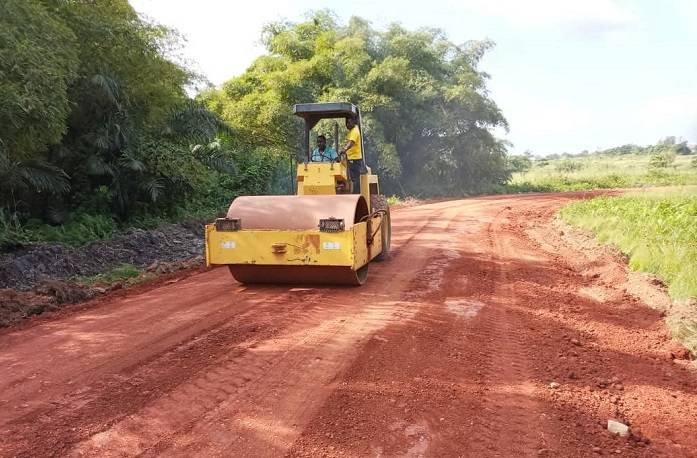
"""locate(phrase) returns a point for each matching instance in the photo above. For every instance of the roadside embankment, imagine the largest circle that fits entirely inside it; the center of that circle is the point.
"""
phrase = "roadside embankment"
(46, 277)
(657, 232)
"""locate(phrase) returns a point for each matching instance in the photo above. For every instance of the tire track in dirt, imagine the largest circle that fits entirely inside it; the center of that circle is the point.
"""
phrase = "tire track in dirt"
(416, 401)
(119, 331)
(102, 399)
(235, 424)
(469, 374)
(510, 403)
(616, 347)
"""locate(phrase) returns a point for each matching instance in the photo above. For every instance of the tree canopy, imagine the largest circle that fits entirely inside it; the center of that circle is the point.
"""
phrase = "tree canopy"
(428, 118)
(38, 61)
(95, 115)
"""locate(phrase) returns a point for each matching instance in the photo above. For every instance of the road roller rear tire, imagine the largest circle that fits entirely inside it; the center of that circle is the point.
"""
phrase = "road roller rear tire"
(300, 275)
(379, 202)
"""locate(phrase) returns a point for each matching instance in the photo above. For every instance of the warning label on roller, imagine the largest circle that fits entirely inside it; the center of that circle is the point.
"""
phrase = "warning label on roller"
(331, 245)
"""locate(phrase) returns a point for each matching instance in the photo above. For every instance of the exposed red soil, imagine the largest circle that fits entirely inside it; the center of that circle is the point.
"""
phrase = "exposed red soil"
(54, 298)
(485, 334)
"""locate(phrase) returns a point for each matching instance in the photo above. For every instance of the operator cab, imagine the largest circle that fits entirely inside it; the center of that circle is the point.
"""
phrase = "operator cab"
(317, 174)
(312, 113)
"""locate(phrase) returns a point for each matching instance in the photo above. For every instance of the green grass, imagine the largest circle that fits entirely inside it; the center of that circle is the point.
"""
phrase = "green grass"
(394, 200)
(119, 274)
(82, 227)
(603, 172)
(407, 201)
(657, 230)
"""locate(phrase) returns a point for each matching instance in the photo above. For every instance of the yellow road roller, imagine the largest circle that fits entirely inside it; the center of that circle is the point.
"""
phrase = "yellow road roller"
(327, 233)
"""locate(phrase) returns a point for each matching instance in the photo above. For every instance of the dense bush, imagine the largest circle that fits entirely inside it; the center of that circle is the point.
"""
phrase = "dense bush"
(662, 160)
(567, 165)
(519, 164)
(38, 61)
(98, 131)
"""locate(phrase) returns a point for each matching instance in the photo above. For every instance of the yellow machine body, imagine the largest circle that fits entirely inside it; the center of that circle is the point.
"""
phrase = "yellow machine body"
(327, 178)
(298, 248)
(321, 178)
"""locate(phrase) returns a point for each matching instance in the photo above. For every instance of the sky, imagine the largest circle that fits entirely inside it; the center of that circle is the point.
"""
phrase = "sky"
(568, 75)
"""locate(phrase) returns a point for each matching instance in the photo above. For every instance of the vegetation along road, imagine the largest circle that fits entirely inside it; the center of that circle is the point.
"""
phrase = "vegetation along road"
(489, 332)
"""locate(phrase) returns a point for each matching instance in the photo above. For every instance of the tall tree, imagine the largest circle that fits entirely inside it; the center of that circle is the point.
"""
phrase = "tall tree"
(92, 108)
(38, 62)
(428, 116)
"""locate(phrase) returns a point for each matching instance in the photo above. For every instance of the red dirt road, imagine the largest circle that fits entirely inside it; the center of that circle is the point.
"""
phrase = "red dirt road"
(448, 350)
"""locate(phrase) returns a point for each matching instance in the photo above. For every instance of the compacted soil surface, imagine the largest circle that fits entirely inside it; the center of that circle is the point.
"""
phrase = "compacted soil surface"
(489, 332)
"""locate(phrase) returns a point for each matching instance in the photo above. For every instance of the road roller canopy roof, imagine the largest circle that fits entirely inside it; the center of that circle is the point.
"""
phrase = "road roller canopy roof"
(313, 112)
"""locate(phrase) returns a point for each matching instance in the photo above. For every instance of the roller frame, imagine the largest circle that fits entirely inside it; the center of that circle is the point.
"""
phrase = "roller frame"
(296, 256)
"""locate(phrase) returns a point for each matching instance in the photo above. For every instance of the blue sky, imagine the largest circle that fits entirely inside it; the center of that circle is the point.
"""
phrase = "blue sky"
(568, 75)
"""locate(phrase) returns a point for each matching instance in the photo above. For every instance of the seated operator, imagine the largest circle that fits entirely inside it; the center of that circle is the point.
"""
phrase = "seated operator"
(323, 153)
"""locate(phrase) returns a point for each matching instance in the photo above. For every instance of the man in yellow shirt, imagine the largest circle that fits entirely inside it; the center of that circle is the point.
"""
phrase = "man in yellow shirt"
(354, 153)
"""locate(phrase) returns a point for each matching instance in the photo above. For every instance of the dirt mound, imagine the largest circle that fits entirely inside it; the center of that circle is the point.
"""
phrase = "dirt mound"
(16, 305)
(48, 296)
(29, 266)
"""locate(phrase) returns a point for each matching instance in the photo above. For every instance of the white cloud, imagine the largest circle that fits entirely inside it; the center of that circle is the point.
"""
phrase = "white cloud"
(559, 108)
(669, 106)
(539, 121)
(673, 114)
(223, 37)
(606, 14)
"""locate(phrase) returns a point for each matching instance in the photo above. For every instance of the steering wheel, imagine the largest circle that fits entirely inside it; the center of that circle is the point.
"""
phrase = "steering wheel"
(322, 157)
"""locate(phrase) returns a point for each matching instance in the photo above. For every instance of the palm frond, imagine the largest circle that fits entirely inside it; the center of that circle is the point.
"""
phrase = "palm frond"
(102, 142)
(44, 177)
(109, 87)
(194, 121)
(131, 163)
(213, 156)
(218, 163)
(56, 215)
(97, 166)
(153, 188)
(10, 178)
(98, 139)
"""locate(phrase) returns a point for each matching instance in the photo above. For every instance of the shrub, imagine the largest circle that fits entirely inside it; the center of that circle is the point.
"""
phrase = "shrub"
(662, 160)
(567, 165)
(519, 164)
